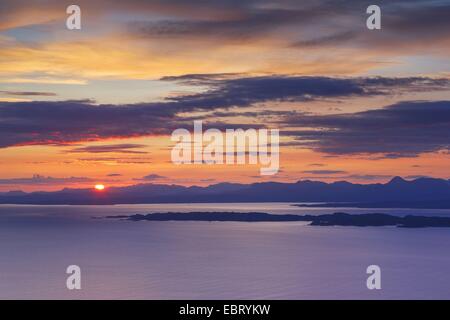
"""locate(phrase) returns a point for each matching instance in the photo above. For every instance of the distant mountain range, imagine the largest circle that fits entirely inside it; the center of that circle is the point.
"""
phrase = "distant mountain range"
(419, 193)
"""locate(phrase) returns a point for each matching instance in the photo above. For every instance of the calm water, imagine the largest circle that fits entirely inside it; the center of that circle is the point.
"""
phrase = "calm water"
(215, 260)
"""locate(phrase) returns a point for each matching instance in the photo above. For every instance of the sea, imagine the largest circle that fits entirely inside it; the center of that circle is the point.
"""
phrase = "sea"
(122, 259)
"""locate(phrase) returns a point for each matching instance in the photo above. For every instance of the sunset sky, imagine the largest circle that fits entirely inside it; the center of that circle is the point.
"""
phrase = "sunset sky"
(98, 105)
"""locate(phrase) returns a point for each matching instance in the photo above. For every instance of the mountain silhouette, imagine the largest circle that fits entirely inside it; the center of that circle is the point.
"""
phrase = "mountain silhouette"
(418, 193)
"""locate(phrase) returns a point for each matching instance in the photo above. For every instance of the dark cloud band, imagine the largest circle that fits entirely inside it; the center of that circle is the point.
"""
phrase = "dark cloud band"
(403, 129)
(409, 127)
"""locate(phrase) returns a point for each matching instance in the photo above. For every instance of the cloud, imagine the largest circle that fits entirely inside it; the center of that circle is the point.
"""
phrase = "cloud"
(64, 122)
(28, 93)
(38, 179)
(324, 171)
(45, 80)
(151, 177)
(368, 176)
(249, 23)
(332, 39)
(17, 13)
(115, 148)
(316, 165)
(361, 177)
(406, 27)
(263, 35)
(403, 129)
(320, 24)
(114, 175)
(424, 20)
(120, 160)
(237, 90)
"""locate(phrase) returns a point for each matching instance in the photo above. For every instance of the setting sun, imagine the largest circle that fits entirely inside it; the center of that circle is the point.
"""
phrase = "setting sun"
(99, 187)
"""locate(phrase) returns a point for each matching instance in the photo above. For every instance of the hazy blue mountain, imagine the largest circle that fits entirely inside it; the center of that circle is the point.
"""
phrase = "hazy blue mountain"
(422, 192)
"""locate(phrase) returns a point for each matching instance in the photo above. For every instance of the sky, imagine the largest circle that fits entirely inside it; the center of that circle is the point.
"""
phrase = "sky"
(98, 105)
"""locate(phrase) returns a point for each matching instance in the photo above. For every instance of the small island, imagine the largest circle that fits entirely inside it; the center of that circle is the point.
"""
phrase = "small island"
(335, 219)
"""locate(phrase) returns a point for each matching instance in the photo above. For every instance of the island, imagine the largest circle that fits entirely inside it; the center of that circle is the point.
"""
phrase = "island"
(335, 219)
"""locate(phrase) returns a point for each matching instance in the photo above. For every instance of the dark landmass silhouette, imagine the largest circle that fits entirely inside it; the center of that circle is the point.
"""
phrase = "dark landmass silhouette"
(432, 204)
(418, 193)
(335, 219)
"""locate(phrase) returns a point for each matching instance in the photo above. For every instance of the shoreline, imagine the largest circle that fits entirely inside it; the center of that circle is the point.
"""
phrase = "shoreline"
(335, 219)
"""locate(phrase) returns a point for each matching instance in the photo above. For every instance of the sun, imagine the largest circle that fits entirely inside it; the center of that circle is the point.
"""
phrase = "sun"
(99, 187)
